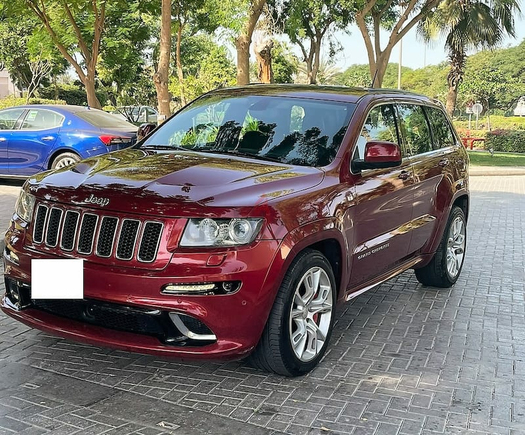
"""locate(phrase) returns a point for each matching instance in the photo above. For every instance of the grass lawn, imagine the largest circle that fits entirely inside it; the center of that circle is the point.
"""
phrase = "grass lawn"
(482, 158)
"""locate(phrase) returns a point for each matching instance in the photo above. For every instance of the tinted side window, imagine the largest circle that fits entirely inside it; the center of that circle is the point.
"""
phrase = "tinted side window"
(414, 127)
(38, 119)
(380, 125)
(443, 136)
(8, 118)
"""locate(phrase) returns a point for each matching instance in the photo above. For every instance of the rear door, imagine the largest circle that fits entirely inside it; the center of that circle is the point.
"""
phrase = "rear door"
(429, 162)
(8, 123)
(383, 207)
(31, 145)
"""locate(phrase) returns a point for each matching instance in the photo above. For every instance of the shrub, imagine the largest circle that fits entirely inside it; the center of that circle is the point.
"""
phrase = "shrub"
(506, 140)
(71, 94)
(18, 101)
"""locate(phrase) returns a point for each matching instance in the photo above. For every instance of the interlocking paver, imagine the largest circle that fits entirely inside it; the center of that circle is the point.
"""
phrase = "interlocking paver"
(404, 359)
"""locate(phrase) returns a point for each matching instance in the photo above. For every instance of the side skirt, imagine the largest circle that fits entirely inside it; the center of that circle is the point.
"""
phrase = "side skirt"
(382, 278)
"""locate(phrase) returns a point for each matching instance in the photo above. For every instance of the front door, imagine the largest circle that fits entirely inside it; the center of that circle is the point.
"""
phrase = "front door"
(383, 207)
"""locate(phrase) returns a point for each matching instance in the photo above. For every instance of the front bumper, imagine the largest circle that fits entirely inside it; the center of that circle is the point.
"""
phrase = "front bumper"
(124, 308)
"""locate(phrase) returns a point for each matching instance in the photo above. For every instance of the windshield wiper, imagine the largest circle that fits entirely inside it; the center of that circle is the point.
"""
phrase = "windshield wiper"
(240, 154)
(164, 147)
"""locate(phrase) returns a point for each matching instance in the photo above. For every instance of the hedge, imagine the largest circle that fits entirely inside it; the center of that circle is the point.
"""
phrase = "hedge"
(72, 95)
(496, 122)
(18, 101)
(506, 140)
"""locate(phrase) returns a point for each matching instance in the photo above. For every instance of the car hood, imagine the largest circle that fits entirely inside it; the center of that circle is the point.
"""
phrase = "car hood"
(172, 183)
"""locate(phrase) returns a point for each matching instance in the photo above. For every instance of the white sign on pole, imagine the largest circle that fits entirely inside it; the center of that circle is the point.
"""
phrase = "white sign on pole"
(477, 109)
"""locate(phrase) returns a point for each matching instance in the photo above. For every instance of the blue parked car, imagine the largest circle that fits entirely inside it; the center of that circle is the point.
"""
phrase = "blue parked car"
(35, 138)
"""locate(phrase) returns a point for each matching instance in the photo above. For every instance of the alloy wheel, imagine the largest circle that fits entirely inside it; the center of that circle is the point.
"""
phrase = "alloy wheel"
(455, 246)
(311, 314)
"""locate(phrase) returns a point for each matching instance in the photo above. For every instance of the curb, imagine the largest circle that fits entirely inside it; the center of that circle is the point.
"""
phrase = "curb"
(496, 170)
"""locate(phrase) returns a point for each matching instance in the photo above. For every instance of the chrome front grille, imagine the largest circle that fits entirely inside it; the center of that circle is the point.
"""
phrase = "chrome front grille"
(90, 234)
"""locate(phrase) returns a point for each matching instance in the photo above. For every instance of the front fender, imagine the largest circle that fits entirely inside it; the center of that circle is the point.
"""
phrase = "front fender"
(304, 237)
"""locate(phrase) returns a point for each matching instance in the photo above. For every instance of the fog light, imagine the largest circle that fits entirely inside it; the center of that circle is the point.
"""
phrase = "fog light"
(202, 288)
(188, 288)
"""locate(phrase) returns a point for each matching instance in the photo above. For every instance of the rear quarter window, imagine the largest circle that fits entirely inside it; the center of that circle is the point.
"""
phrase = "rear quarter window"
(101, 119)
(442, 132)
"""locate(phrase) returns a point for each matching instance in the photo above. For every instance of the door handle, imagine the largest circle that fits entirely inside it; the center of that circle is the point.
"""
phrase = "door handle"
(443, 162)
(3, 139)
(48, 138)
(404, 175)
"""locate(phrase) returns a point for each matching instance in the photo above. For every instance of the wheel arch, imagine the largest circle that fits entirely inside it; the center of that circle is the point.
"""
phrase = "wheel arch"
(59, 151)
(322, 236)
(463, 203)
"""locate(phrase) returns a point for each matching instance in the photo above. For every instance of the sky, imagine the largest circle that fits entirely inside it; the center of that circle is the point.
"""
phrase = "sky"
(415, 55)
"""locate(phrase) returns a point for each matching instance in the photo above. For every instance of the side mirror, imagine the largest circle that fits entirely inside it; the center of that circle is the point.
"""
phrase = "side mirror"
(144, 130)
(378, 154)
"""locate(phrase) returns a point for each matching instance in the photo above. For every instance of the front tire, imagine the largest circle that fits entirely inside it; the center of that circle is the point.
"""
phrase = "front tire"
(300, 324)
(445, 267)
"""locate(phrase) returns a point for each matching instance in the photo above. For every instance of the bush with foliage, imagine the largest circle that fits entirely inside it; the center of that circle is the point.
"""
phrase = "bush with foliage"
(71, 94)
(17, 101)
(506, 140)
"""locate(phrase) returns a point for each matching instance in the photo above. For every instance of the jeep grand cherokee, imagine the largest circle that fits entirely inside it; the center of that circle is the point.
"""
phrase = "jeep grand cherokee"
(236, 227)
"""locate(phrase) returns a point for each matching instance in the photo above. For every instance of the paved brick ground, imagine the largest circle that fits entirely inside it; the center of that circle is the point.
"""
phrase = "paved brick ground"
(404, 359)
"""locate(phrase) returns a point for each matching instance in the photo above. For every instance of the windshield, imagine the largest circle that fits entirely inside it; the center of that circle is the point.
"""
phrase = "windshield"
(290, 130)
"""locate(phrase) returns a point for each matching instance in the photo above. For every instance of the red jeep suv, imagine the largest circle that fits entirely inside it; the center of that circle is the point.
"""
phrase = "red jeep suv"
(236, 227)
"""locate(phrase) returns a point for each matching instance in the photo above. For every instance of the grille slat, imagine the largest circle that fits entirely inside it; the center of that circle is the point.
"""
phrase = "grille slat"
(88, 232)
(127, 239)
(106, 236)
(39, 226)
(53, 226)
(150, 242)
(69, 231)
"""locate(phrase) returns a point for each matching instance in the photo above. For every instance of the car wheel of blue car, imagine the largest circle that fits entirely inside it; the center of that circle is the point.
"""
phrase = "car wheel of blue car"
(65, 159)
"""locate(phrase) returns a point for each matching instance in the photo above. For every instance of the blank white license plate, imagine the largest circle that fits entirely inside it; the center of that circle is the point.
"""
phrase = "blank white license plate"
(57, 279)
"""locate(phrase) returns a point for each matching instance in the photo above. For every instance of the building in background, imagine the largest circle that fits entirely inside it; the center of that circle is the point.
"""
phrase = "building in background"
(7, 87)
(520, 107)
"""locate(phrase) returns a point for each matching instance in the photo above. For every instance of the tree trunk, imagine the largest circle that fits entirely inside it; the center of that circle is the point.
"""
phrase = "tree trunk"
(316, 48)
(160, 78)
(458, 60)
(452, 97)
(243, 41)
(92, 99)
(263, 54)
(180, 73)
(378, 68)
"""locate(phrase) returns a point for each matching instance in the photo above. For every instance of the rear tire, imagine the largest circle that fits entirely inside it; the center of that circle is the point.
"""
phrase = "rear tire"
(445, 267)
(65, 159)
(298, 330)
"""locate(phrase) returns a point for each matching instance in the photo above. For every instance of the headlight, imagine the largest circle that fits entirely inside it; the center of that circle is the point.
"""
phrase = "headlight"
(24, 206)
(220, 232)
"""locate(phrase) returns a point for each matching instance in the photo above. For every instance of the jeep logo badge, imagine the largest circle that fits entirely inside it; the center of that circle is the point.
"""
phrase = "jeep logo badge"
(98, 201)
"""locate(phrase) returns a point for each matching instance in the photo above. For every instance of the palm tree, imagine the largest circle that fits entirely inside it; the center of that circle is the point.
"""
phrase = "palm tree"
(468, 25)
